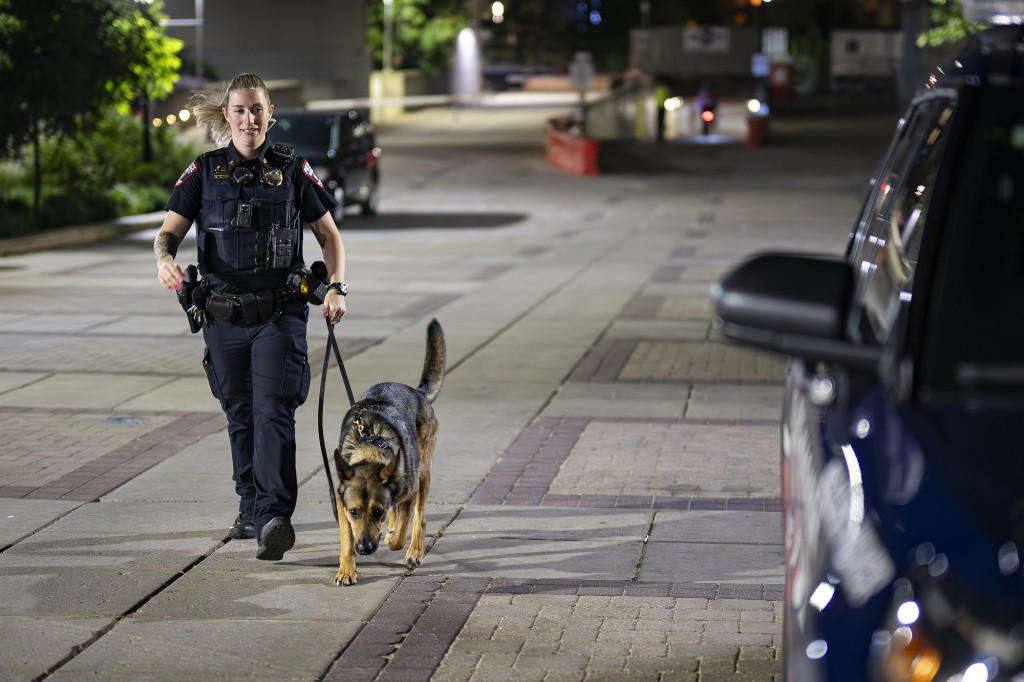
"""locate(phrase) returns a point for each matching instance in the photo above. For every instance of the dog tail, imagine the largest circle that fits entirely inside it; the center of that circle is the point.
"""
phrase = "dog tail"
(433, 365)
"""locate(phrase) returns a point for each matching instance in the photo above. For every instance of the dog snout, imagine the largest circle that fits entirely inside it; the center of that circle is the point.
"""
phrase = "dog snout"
(366, 546)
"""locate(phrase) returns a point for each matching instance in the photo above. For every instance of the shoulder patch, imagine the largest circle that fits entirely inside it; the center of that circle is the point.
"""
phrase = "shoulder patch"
(188, 171)
(308, 172)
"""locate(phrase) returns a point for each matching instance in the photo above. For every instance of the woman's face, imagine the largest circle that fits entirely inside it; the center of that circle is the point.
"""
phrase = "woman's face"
(248, 112)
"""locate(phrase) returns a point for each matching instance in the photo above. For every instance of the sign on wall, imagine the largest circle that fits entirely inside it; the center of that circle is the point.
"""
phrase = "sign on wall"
(705, 39)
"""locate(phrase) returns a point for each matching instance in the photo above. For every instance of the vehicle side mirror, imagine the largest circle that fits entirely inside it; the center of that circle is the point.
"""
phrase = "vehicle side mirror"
(793, 304)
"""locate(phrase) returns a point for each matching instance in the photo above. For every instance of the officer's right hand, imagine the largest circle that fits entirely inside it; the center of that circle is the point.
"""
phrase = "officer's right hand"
(170, 273)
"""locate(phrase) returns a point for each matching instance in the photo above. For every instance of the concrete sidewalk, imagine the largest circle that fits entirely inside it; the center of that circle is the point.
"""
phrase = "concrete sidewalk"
(605, 500)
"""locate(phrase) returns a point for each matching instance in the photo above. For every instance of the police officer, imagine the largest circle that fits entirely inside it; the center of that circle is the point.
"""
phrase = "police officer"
(249, 200)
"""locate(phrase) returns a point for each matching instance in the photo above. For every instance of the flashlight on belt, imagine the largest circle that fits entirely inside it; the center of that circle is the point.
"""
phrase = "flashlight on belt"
(309, 283)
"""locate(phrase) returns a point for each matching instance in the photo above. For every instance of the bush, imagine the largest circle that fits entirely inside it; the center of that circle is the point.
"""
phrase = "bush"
(76, 207)
(94, 176)
(15, 218)
(133, 199)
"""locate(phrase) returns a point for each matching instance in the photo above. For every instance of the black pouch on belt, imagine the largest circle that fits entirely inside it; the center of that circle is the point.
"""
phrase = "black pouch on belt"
(250, 310)
(257, 307)
(220, 307)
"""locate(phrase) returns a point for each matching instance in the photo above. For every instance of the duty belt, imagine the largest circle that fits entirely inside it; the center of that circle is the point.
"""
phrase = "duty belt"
(250, 308)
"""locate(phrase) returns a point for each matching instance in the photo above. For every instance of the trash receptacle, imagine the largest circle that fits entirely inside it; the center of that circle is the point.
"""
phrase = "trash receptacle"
(780, 80)
(757, 130)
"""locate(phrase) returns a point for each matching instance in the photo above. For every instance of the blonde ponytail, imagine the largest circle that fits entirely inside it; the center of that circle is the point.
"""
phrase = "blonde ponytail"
(208, 105)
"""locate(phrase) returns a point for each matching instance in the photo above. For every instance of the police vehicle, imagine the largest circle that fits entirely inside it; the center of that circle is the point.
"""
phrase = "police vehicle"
(342, 149)
(903, 459)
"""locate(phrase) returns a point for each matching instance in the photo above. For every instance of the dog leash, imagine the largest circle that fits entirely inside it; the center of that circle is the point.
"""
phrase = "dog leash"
(332, 343)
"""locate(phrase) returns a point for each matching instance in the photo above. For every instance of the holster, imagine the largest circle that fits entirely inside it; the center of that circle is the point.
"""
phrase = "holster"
(185, 297)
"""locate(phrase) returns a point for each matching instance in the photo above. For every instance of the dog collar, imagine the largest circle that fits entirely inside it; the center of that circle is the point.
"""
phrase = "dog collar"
(378, 442)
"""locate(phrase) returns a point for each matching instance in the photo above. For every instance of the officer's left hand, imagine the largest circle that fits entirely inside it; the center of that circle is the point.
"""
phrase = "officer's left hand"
(334, 307)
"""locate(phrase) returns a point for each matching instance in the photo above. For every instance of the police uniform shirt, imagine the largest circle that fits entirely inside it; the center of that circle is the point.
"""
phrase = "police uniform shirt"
(311, 199)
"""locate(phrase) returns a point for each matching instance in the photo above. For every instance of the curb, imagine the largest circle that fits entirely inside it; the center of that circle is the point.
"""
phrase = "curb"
(80, 234)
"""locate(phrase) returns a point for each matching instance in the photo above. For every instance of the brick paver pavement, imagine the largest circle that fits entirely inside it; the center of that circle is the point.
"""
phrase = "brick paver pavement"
(82, 455)
(40, 446)
(491, 630)
(699, 361)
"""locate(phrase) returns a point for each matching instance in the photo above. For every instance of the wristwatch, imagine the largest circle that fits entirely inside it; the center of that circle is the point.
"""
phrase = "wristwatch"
(340, 287)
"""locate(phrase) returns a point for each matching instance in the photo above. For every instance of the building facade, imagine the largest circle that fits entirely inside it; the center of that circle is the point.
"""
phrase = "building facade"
(304, 49)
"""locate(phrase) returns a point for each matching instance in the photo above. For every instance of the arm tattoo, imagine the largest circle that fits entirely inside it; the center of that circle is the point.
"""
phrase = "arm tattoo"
(165, 244)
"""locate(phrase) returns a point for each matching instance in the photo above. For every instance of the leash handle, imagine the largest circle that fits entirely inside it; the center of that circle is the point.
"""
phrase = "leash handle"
(332, 343)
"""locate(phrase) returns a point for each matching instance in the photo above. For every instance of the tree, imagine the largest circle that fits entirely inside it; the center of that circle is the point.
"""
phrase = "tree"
(64, 62)
(948, 24)
(423, 35)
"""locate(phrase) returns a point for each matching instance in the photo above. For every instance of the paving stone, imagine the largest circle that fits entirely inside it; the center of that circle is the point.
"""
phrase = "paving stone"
(741, 402)
(164, 649)
(34, 644)
(20, 518)
(732, 527)
(556, 524)
(722, 562)
(691, 459)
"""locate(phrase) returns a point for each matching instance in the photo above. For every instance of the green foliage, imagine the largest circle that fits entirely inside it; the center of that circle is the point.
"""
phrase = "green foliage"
(65, 62)
(93, 175)
(423, 32)
(948, 24)
(9, 26)
(150, 56)
(109, 152)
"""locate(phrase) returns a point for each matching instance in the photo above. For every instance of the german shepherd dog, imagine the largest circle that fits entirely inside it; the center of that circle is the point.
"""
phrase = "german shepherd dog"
(383, 460)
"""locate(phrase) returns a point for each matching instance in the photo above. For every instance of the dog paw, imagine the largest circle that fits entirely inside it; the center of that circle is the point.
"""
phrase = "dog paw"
(395, 542)
(345, 578)
(412, 561)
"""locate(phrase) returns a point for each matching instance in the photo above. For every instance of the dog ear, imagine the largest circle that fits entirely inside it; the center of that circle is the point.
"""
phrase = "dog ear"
(387, 472)
(344, 470)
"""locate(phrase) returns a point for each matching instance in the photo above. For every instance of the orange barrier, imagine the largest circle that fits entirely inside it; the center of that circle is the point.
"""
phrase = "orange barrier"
(574, 153)
(757, 130)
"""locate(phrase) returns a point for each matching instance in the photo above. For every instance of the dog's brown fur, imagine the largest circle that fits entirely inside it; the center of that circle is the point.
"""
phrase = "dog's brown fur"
(383, 460)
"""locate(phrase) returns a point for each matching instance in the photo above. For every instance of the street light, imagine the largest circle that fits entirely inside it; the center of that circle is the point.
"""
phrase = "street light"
(387, 35)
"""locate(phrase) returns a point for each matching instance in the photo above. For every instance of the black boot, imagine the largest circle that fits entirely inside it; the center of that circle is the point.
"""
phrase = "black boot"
(276, 538)
(242, 528)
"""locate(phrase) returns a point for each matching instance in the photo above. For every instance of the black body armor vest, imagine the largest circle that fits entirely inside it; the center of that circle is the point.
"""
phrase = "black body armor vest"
(249, 221)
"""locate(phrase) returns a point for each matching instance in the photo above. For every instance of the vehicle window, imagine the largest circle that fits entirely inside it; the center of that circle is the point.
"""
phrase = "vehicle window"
(886, 247)
(978, 328)
(303, 130)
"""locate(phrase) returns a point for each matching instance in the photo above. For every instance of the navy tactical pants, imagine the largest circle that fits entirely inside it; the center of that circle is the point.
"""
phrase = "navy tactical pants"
(260, 375)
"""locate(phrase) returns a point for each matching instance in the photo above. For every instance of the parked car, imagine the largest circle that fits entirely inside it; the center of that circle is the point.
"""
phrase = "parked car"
(341, 147)
(903, 412)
